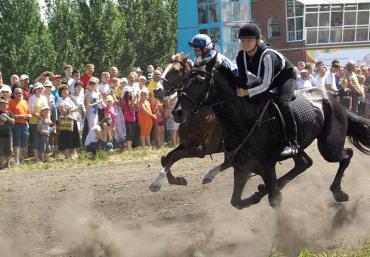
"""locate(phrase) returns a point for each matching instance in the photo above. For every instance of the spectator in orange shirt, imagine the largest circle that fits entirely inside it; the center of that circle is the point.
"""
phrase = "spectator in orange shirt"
(20, 109)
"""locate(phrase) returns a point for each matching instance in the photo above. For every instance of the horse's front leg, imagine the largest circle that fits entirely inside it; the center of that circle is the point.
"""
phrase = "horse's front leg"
(270, 180)
(241, 176)
(176, 154)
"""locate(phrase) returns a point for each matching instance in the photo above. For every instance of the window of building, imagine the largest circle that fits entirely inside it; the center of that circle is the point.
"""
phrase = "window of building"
(273, 27)
(337, 23)
(208, 11)
(362, 33)
(294, 20)
(233, 11)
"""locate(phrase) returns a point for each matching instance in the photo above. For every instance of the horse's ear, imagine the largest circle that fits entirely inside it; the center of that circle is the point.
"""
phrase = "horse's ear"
(185, 57)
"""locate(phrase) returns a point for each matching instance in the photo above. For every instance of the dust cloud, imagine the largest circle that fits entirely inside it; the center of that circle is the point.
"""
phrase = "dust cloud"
(199, 220)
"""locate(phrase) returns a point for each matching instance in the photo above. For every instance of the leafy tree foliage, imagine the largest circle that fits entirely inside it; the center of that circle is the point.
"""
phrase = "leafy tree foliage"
(25, 42)
(122, 33)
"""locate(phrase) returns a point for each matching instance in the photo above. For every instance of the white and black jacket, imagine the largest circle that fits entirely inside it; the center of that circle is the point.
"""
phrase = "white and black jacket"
(269, 66)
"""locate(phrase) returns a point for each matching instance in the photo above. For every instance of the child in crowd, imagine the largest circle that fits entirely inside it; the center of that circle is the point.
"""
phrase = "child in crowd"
(43, 128)
(110, 112)
(146, 117)
(157, 109)
(128, 108)
(119, 127)
(6, 122)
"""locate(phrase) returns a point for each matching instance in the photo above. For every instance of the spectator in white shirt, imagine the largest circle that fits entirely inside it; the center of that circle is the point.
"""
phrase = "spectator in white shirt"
(303, 81)
(330, 83)
(104, 83)
(320, 80)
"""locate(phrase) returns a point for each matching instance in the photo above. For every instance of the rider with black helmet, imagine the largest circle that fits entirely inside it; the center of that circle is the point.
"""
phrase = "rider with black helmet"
(203, 48)
(263, 71)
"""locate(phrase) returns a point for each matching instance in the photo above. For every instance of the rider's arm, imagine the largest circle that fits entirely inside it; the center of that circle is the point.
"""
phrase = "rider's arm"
(267, 75)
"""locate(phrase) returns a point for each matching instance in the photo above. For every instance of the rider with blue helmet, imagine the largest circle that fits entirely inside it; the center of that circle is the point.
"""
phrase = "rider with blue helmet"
(203, 48)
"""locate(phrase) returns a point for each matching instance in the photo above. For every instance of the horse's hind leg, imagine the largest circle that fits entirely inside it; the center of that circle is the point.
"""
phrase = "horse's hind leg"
(335, 187)
(333, 151)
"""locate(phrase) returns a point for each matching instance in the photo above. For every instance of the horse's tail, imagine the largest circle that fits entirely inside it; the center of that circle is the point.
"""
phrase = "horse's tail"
(359, 132)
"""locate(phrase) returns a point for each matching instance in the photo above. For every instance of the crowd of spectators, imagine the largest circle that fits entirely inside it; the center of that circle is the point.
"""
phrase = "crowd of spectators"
(62, 114)
(55, 114)
(349, 83)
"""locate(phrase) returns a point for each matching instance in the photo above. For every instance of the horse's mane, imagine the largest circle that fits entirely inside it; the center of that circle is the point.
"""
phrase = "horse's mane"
(227, 73)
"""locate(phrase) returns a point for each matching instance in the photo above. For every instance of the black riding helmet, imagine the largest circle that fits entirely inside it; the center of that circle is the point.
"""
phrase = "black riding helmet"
(249, 30)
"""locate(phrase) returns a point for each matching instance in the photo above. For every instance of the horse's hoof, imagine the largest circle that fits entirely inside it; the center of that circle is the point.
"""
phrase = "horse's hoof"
(181, 181)
(237, 205)
(206, 181)
(262, 189)
(154, 188)
(341, 196)
(275, 200)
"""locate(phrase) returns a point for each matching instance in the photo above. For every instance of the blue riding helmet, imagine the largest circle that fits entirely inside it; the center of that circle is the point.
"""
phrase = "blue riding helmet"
(201, 40)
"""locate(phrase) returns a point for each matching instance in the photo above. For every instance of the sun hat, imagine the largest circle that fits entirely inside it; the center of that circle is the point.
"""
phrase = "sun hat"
(45, 107)
(38, 85)
(109, 98)
(24, 77)
(5, 88)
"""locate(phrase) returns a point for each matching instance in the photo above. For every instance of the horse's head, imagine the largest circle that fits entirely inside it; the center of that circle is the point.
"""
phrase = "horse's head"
(173, 76)
(196, 90)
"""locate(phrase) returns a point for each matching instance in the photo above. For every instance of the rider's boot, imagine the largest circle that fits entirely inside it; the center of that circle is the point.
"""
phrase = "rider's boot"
(291, 128)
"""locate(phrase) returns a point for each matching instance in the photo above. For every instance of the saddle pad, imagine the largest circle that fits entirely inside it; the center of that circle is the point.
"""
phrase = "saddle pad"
(304, 111)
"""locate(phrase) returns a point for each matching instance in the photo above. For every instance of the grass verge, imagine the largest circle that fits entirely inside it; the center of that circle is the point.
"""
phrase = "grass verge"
(85, 159)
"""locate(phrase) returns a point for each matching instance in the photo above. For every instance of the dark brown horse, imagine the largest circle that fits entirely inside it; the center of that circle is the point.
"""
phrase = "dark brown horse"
(200, 135)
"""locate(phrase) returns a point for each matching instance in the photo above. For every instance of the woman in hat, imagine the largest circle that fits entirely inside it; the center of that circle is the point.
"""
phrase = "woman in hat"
(262, 71)
(68, 141)
(36, 102)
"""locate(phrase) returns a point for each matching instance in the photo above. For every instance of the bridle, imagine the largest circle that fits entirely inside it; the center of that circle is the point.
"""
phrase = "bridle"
(197, 74)
(170, 89)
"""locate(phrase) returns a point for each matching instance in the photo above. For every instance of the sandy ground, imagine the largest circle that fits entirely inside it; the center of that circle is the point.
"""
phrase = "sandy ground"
(108, 211)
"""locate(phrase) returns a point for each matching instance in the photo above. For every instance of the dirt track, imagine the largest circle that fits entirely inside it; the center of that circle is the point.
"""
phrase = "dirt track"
(109, 211)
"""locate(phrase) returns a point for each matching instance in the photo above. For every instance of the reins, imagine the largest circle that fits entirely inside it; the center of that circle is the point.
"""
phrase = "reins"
(258, 122)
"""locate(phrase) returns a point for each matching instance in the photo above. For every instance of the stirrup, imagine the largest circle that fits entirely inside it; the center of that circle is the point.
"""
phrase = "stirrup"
(289, 151)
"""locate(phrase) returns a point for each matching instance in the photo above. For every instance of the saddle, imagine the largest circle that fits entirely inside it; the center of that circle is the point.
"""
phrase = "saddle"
(304, 113)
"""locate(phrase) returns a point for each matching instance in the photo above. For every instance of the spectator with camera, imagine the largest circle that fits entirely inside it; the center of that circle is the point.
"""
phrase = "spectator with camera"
(100, 137)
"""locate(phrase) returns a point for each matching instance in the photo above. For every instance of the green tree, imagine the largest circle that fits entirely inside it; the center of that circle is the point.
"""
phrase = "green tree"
(104, 38)
(66, 34)
(152, 26)
(25, 43)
